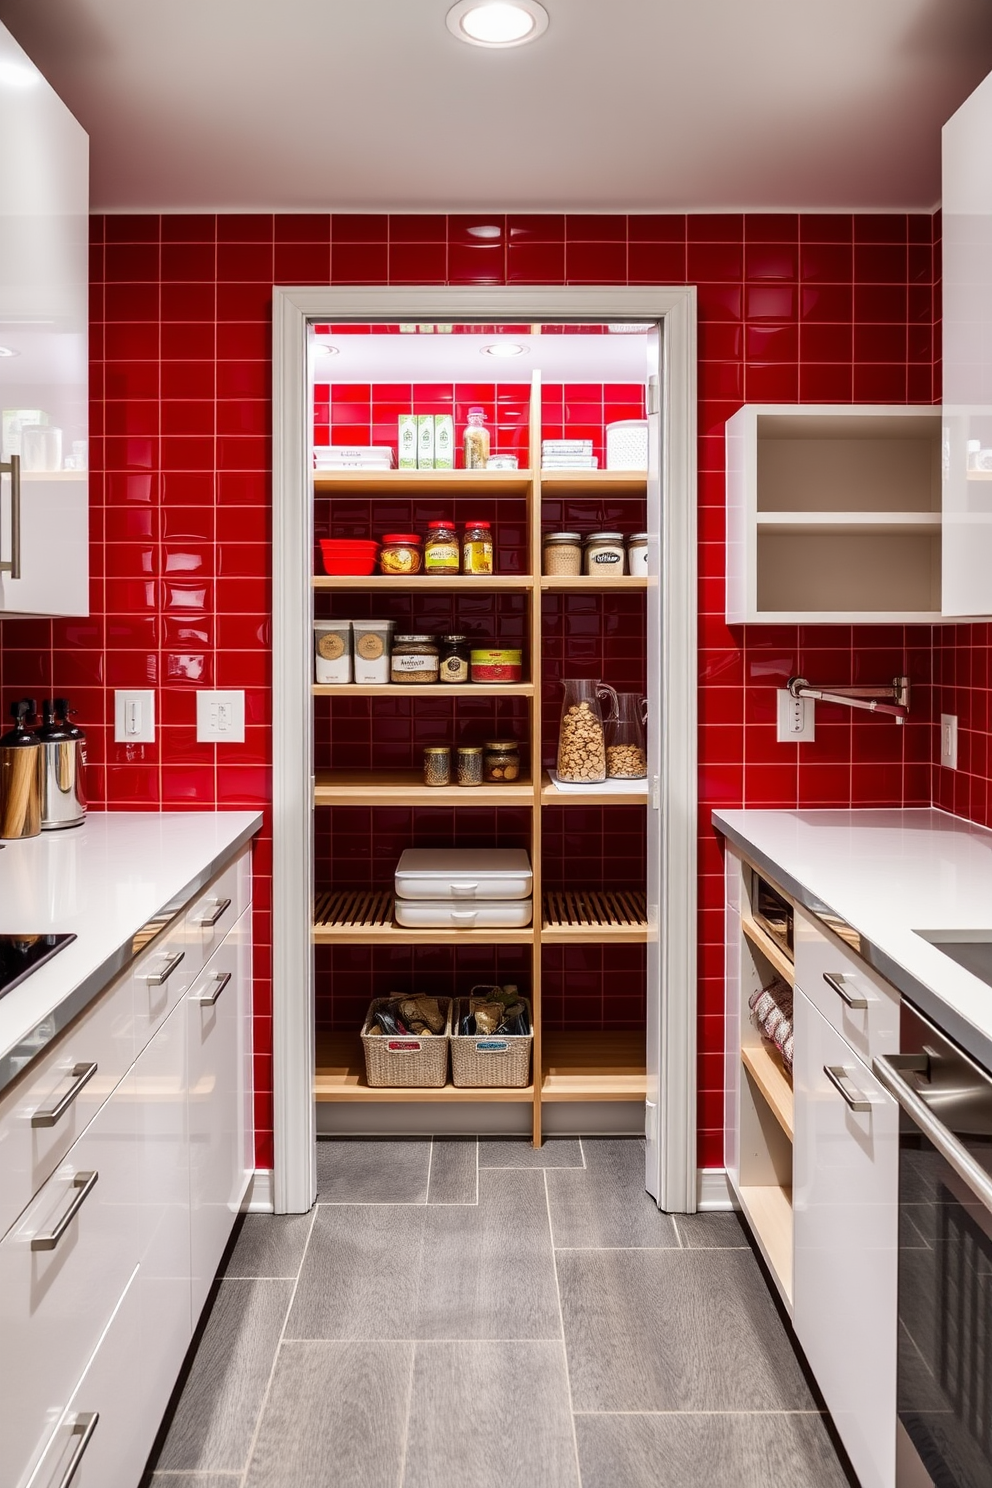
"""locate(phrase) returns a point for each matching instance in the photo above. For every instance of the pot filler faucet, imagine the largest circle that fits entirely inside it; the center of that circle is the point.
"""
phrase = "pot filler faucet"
(871, 699)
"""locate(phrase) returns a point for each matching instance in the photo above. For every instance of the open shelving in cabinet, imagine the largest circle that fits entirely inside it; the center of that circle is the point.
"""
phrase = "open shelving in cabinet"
(364, 784)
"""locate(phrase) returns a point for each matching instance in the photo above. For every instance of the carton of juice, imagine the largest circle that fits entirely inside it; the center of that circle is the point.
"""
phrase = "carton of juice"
(444, 441)
(425, 441)
(407, 450)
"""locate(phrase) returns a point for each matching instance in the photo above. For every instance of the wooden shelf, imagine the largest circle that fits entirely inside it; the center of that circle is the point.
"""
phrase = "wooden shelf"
(340, 1076)
(771, 952)
(595, 916)
(853, 522)
(365, 917)
(590, 795)
(425, 482)
(598, 482)
(424, 583)
(764, 1064)
(769, 1212)
(429, 689)
(594, 1067)
(587, 584)
(407, 788)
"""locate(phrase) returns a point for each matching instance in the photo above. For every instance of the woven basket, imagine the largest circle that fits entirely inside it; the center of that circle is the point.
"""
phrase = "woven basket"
(409, 1060)
(494, 1059)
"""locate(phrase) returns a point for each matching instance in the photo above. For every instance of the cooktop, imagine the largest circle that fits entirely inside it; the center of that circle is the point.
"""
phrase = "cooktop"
(20, 955)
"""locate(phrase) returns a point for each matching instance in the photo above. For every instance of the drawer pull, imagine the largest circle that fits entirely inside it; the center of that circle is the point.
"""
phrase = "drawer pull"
(850, 998)
(840, 1080)
(159, 978)
(220, 982)
(80, 1073)
(209, 921)
(83, 1426)
(84, 1184)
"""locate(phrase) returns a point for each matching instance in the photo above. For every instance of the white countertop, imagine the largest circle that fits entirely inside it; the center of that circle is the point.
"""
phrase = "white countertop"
(103, 881)
(890, 874)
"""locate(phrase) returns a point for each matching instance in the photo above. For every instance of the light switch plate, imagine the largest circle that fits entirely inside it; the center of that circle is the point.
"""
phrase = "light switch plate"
(949, 740)
(134, 717)
(220, 717)
(796, 718)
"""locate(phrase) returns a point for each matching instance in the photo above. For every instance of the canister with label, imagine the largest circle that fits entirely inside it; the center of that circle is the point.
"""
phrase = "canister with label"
(370, 643)
(414, 660)
(332, 652)
(604, 555)
(637, 554)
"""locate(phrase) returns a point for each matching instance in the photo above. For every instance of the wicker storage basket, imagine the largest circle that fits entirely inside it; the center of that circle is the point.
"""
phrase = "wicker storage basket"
(407, 1060)
(493, 1059)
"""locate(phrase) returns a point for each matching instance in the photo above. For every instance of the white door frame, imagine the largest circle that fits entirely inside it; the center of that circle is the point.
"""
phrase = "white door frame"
(672, 1042)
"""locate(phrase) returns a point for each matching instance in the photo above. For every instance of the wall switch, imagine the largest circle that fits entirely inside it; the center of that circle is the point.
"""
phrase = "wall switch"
(796, 718)
(134, 717)
(949, 740)
(220, 717)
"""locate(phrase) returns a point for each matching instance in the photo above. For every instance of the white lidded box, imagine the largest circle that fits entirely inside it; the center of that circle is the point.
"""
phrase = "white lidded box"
(371, 644)
(627, 445)
(483, 874)
(332, 652)
(464, 914)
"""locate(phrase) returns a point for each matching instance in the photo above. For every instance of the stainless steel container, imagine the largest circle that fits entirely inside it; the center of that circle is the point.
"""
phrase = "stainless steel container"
(21, 765)
(63, 789)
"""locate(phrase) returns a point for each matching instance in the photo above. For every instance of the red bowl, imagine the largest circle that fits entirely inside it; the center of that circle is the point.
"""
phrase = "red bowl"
(343, 556)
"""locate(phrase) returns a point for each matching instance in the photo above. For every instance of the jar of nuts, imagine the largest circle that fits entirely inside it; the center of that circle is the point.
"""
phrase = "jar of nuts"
(626, 749)
(581, 737)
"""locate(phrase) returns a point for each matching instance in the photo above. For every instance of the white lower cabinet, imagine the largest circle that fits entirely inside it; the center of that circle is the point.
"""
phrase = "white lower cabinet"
(845, 1205)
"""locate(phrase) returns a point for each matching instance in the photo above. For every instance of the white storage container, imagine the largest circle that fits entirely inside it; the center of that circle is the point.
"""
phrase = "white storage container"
(476, 914)
(372, 641)
(478, 873)
(331, 652)
(627, 445)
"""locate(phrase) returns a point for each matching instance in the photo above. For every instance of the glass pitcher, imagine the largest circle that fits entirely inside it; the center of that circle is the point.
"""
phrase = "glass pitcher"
(626, 746)
(581, 739)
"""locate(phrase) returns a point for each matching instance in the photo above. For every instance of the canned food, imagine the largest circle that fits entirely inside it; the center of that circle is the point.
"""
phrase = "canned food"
(497, 664)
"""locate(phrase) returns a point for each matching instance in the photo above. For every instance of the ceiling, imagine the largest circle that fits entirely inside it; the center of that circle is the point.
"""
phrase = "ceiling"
(622, 106)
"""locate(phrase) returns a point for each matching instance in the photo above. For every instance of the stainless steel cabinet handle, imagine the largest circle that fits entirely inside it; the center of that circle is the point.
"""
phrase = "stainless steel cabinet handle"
(841, 1080)
(888, 1068)
(209, 921)
(83, 1426)
(220, 982)
(12, 467)
(80, 1073)
(159, 978)
(850, 998)
(84, 1184)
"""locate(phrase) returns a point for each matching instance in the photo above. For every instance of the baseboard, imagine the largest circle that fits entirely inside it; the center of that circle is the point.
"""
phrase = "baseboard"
(258, 1200)
(712, 1189)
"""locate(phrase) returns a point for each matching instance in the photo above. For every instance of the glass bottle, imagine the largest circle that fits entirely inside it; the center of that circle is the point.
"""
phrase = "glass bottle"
(626, 746)
(581, 738)
(476, 440)
(477, 548)
(441, 555)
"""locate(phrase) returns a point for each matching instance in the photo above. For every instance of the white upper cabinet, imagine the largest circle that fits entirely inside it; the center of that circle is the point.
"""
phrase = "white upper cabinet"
(44, 276)
(967, 336)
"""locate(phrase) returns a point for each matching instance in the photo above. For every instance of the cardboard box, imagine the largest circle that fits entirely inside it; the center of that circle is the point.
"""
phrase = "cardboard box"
(407, 446)
(444, 442)
(425, 441)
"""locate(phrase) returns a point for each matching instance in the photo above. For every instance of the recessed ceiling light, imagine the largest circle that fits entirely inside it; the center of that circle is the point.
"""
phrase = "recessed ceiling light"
(504, 349)
(6, 351)
(497, 23)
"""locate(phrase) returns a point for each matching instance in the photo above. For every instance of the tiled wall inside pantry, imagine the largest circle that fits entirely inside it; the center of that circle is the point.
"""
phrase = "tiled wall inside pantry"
(810, 308)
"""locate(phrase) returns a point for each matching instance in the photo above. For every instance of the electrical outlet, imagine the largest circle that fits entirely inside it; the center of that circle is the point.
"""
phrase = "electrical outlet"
(949, 740)
(220, 717)
(134, 717)
(796, 718)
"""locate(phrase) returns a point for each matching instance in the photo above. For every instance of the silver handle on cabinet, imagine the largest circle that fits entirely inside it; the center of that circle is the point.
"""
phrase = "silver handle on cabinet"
(221, 979)
(80, 1073)
(889, 1069)
(852, 999)
(840, 1079)
(83, 1426)
(159, 978)
(209, 921)
(12, 467)
(84, 1183)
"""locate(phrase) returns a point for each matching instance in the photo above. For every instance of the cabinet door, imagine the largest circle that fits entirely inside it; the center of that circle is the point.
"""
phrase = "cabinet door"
(44, 188)
(845, 1203)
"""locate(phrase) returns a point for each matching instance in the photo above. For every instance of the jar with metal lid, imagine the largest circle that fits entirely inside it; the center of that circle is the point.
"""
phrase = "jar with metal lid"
(468, 765)
(604, 557)
(413, 660)
(637, 554)
(454, 658)
(441, 554)
(437, 764)
(401, 553)
(500, 761)
(562, 553)
(477, 548)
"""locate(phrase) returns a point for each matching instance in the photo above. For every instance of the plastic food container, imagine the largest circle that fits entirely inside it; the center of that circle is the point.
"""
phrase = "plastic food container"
(478, 914)
(331, 652)
(460, 873)
(627, 445)
(370, 647)
(348, 555)
(402, 553)
(497, 665)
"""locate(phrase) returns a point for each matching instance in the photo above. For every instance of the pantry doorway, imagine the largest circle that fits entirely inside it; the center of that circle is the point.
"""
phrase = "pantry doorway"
(307, 321)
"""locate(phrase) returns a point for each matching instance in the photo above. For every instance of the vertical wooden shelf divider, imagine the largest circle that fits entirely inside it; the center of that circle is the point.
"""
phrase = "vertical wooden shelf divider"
(536, 721)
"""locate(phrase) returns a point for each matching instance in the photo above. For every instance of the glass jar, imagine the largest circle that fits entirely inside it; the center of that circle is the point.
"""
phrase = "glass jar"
(413, 660)
(605, 554)
(501, 761)
(401, 553)
(562, 553)
(437, 764)
(637, 554)
(454, 658)
(476, 440)
(441, 555)
(477, 548)
(581, 737)
(626, 747)
(502, 462)
(468, 765)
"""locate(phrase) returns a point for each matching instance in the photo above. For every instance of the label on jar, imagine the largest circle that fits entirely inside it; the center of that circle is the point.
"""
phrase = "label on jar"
(370, 646)
(330, 646)
(454, 669)
(478, 558)
(607, 556)
(442, 555)
(414, 663)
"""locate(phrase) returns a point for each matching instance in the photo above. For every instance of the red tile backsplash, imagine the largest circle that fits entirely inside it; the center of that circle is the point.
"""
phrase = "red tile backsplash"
(822, 308)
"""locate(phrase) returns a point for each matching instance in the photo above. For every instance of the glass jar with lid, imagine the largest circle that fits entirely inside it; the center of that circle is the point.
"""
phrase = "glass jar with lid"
(477, 548)
(476, 440)
(437, 764)
(401, 553)
(500, 761)
(637, 554)
(413, 660)
(455, 652)
(604, 554)
(562, 553)
(468, 764)
(441, 555)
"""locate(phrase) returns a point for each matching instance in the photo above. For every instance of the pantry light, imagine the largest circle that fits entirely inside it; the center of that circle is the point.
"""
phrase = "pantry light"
(497, 23)
(504, 349)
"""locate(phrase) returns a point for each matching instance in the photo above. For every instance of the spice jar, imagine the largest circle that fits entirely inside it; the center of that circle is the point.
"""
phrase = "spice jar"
(605, 554)
(501, 760)
(401, 553)
(637, 554)
(562, 553)
(437, 764)
(441, 555)
(454, 657)
(477, 548)
(476, 440)
(495, 664)
(414, 659)
(468, 765)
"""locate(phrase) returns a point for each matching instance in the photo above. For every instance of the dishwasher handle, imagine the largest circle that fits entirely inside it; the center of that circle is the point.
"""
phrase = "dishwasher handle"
(889, 1070)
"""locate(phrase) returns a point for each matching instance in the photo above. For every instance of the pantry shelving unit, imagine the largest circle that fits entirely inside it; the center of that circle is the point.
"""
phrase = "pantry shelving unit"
(573, 1066)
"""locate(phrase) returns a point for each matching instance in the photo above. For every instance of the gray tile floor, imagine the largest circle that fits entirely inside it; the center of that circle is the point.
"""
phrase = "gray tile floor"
(462, 1314)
